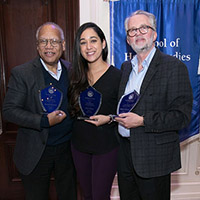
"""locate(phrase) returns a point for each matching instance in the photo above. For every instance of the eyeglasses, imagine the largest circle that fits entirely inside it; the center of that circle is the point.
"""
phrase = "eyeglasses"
(143, 30)
(44, 42)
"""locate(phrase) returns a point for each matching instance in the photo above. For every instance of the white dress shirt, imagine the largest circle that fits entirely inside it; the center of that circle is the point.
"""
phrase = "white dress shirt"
(58, 73)
(135, 82)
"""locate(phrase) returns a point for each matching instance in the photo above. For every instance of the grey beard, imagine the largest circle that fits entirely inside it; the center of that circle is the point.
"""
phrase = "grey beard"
(140, 50)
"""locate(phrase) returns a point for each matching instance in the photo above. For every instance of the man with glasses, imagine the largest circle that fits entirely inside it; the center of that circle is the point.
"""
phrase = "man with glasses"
(37, 102)
(148, 134)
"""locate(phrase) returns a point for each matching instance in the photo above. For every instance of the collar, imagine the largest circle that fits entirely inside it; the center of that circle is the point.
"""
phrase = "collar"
(146, 61)
(59, 70)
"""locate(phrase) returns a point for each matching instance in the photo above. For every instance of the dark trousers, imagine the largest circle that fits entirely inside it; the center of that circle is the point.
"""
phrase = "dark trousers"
(95, 173)
(56, 159)
(134, 187)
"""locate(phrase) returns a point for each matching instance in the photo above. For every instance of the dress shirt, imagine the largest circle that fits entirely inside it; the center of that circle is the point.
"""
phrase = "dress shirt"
(58, 73)
(135, 82)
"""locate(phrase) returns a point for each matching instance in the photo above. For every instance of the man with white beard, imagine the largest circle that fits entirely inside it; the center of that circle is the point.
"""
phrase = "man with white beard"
(148, 134)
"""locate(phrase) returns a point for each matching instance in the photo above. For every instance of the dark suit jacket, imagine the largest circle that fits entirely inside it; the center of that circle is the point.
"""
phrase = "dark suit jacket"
(22, 107)
(166, 104)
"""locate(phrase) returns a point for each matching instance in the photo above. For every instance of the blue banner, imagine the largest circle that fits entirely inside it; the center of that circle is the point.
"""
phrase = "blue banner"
(178, 28)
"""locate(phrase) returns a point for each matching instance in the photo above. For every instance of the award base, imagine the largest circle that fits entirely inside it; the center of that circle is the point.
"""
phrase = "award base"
(116, 116)
(86, 118)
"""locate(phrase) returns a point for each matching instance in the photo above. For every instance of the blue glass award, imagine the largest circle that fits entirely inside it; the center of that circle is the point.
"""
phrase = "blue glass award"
(127, 102)
(50, 98)
(89, 102)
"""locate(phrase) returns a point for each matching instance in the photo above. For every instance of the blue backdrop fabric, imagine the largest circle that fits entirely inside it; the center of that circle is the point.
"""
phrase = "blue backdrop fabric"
(178, 28)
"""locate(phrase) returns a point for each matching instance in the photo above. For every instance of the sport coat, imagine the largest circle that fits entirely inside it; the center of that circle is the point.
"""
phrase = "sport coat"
(166, 104)
(22, 107)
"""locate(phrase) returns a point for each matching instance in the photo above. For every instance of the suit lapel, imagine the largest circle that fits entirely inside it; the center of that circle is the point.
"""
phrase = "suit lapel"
(38, 73)
(125, 77)
(150, 72)
(40, 82)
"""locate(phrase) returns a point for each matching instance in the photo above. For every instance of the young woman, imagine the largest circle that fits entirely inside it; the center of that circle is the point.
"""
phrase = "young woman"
(94, 142)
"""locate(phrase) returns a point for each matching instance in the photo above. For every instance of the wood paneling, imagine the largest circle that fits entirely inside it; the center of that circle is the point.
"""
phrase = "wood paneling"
(19, 20)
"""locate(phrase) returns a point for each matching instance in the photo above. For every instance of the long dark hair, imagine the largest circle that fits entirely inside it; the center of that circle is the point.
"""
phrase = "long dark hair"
(78, 76)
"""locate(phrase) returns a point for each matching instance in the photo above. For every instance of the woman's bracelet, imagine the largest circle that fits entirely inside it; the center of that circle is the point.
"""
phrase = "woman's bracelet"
(111, 118)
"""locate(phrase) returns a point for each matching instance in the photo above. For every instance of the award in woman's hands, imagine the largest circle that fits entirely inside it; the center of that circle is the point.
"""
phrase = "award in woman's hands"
(50, 99)
(89, 102)
(127, 102)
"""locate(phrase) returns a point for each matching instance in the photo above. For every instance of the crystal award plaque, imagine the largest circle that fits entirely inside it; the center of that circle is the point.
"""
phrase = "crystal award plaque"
(127, 102)
(89, 102)
(50, 98)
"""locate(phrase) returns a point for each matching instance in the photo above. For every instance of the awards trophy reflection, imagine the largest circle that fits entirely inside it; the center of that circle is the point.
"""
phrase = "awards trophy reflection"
(50, 99)
(89, 102)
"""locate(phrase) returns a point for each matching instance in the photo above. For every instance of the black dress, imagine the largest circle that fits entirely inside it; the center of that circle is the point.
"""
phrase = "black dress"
(89, 138)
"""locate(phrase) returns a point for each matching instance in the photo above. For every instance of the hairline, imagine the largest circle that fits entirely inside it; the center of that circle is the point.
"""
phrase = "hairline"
(53, 24)
(151, 17)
